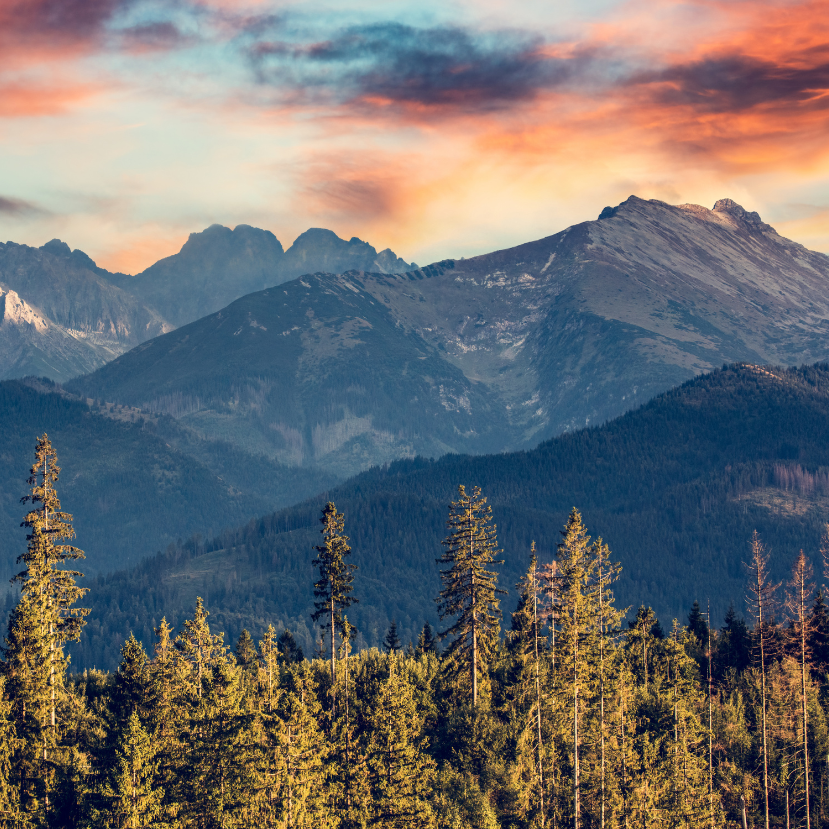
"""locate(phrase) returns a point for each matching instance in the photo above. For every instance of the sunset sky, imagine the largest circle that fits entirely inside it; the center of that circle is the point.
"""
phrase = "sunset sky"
(439, 129)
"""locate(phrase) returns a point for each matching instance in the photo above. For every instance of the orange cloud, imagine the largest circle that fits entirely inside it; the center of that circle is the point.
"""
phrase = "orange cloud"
(18, 100)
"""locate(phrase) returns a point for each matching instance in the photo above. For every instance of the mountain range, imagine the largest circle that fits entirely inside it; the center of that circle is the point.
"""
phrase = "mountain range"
(487, 354)
(62, 315)
(675, 488)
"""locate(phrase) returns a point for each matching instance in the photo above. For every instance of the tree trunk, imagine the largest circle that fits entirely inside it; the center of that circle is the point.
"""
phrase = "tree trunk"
(576, 769)
(803, 696)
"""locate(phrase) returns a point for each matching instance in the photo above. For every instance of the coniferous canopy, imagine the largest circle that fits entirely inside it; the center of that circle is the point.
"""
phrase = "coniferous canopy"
(470, 591)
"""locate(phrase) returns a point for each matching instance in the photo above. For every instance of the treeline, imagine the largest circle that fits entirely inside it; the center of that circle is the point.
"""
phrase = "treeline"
(570, 717)
(677, 487)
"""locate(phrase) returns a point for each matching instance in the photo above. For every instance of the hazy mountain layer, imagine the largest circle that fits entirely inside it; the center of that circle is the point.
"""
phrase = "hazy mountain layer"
(219, 265)
(133, 483)
(491, 353)
(675, 488)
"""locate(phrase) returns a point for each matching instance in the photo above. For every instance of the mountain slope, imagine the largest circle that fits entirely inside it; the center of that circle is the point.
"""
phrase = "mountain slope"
(133, 483)
(675, 488)
(492, 353)
(61, 317)
(315, 371)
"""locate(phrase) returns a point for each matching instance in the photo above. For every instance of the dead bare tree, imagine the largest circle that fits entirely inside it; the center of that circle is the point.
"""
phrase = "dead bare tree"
(761, 604)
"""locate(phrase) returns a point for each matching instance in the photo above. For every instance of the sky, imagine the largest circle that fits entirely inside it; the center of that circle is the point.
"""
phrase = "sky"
(438, 128)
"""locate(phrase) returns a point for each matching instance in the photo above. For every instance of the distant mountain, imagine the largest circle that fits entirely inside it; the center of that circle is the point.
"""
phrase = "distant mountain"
(491, 353)
(59, 316)
(134, 483)
(87, 316)
(675, 488)
(219, 265)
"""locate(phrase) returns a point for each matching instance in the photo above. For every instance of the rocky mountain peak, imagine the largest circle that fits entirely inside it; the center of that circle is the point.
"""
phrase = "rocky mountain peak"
(737, 211)
(57, 248)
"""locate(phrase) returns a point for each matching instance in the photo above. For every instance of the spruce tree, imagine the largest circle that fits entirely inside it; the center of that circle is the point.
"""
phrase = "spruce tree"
(426, 642)
(268, 669)
(399, 770)
(130, 795)
(43, 623)
(9, 742)
(578, 614)
(333, 589)
(290, 651)
(217, 782)
(469, 588)
(762, 605)
(297, 797)
(798, 599)
(391, 642)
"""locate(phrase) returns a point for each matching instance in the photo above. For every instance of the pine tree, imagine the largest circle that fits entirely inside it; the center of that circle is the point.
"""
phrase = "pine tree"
(130, 794)
(400, 771)
(577, 612)
(290, 651)
(798, 598)
(43, 623)
(426, 642)
(761, 600)
(333, 589)
(9, 792)
(469, 587)
(391, 642)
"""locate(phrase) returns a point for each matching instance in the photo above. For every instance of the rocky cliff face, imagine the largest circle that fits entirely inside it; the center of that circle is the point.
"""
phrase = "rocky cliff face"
(61, 317)
(490, 353)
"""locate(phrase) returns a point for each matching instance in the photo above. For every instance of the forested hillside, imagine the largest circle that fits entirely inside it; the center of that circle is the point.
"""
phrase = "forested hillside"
(135, 482)
(675, 488)
(557, 714)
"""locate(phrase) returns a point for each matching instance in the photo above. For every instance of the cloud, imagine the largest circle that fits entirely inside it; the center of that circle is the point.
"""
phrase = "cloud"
(27, 100)
(19, 208)
(58, 22)
(733, 83)
(393, 63)
(157, 36)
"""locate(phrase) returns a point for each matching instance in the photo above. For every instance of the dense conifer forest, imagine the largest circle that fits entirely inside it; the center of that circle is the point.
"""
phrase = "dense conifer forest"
(567, 711)
(675, 487)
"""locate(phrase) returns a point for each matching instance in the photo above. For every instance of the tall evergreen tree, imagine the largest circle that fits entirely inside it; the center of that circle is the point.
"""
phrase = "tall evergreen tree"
(9, 792)
(289, 650)
(391, 642)
(45, 620)
(798, 600)
(399, 769)
(469, 587)
(761, 601)
(130, 795)
(333, 589)
(426, 642)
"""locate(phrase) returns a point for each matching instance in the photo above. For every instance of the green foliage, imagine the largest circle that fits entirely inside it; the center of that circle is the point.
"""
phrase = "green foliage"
(469, 590)
(332, 592)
